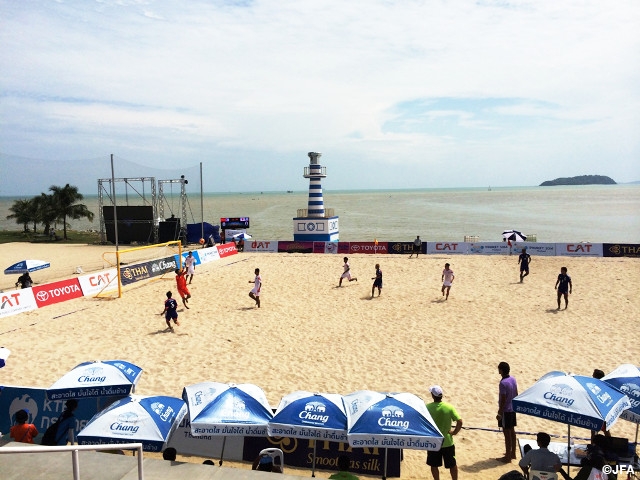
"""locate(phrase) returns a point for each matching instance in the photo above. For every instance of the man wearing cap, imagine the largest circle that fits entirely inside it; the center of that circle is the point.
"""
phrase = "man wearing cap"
(444, 414)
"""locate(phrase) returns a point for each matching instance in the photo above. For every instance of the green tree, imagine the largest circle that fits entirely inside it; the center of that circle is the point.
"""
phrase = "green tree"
(65, 205)
(46, 211)
(23, 212)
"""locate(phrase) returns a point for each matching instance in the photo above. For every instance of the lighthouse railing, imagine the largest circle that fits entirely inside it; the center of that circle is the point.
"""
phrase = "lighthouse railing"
(317, 172)
(303, 213)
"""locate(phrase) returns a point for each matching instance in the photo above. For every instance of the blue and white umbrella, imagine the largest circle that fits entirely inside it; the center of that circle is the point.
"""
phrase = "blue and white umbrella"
(149, 420)
(626, 378)
(25, 266)
(302, 414)
(227, 410)
(108, 378)
(584, 402)
(390, 420)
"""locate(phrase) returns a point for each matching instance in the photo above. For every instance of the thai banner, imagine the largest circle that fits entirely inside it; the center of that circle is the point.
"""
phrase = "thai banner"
(97, 282)
(207, 255)
(295, 247)
(152, 268)
(226, 249)
(621, 250)
(534, 248)
(57, 292)
(17, 301)
(263, 246)
(583, 249)
(402, 247)
(448, 248)
(368, 247)
(299, 453)
(205, 445)
(490, 248)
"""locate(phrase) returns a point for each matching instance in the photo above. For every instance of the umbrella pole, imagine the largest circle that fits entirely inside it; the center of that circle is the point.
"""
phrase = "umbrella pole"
(313, 468)
(224, 440)
(384, 476)
(568, 449)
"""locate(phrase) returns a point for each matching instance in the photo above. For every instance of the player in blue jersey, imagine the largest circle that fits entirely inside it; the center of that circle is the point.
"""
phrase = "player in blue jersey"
(170, 311)
(564, 287)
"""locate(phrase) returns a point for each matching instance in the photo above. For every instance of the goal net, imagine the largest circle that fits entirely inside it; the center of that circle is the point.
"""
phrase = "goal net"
(137, 264)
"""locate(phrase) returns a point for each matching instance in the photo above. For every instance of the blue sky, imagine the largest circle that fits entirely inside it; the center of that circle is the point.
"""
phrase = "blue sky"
(395, 94)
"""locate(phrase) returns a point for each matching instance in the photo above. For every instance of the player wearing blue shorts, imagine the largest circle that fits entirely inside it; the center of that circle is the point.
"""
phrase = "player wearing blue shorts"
(170, 311)
(377, 281)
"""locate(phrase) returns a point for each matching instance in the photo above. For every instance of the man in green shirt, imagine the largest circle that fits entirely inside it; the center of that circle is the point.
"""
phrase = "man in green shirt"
(444, 414)
(343, 466)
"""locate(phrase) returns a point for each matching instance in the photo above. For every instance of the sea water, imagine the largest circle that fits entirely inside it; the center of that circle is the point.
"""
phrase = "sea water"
(593, 213)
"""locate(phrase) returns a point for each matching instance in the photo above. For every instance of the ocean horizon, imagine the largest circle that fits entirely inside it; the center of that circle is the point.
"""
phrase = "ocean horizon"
(589, 213)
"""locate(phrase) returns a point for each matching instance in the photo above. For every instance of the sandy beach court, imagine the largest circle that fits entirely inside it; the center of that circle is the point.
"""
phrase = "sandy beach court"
(311, 335)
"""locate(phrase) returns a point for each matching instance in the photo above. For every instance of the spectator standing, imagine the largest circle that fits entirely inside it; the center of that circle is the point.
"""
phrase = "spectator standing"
(507, 391)
(444, 414)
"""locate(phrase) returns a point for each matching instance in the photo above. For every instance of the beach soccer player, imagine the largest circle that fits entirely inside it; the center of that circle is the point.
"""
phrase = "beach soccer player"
(377, 281)
(523, 260)
(347, 272)
(257, 285)
(564, 287)
(417, 246)
(190, 265)
(447, 280)
(181, 283)
(170, 311)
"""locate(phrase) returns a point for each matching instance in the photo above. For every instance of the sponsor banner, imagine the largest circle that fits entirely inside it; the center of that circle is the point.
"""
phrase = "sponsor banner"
(583, 249)
(343, 247)
(534, 248)
(205, 445)
(103, 281)
(489, 248)
(299, 454)
(621, 250)
(295, 247)
(262, 246)
(368, 247)
(17, 301)
(207, 255)
(195, 255)
(152, 268)
(330, 247)
(57, 292)
(43, 412)
(226, 249)
(402, 247)
(448, 248)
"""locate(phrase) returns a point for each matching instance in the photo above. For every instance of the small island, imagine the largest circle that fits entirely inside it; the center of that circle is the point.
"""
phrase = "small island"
(580, 180)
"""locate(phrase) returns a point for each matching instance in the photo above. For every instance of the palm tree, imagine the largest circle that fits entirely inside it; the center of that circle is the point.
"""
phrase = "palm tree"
(65, 206)
(22, 211)
(46, 212)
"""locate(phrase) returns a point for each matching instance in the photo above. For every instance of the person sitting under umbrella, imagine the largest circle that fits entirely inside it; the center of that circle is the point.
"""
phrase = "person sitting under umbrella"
(25, 280)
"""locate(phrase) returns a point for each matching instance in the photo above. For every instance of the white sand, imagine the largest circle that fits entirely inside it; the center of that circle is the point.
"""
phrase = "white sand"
(310, 335)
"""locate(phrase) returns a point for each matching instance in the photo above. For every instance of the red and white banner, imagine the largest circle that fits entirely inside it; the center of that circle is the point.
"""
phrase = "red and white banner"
(368, 247)
(579, 249)
(57, 292)
(103, 281)
(447, 247)
(17, 301)
(226, 249)
(270, 246)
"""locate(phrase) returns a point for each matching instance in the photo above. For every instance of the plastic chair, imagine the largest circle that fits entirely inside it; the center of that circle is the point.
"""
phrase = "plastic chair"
(276, 455)
(540, 475)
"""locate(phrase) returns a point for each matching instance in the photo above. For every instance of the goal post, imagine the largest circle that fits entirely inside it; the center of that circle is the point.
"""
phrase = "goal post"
(144, 262)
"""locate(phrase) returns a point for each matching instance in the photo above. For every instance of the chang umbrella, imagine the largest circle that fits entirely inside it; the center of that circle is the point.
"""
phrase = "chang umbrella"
(584, 402)
(108, 378)
(302, 414)
(4, 354)
(390, 420)
(626, 378)
(514, 236)
(227, 410)
(149, 420)
(25, 266)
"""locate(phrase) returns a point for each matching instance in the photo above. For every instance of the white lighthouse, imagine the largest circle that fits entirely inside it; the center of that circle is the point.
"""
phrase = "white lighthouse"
(315, 223)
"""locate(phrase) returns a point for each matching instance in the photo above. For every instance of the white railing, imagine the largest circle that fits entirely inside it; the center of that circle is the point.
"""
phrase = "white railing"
(74, 453)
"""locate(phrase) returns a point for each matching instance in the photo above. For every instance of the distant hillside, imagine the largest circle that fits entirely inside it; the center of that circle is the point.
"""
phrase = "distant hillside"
(580, 180)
